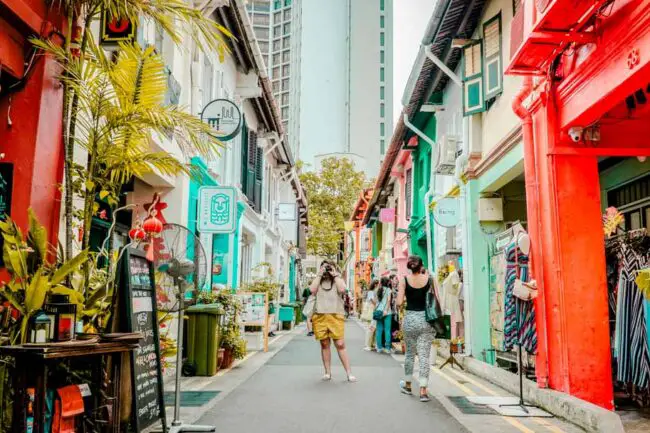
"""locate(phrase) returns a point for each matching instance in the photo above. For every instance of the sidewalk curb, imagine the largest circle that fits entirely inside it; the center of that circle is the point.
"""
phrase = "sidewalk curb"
(579, 412)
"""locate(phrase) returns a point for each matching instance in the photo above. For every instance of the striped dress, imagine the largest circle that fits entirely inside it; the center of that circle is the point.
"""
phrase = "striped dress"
(519, 326)
(633, 357)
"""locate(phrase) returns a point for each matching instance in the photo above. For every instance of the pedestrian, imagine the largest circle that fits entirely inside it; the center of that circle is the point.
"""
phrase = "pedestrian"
(418, 333)
(329, 317)
(384, 316)
(370, 304)
(305, 295)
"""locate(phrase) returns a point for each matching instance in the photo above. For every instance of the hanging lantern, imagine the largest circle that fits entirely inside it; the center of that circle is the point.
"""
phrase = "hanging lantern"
(152, 225)
(137, 234)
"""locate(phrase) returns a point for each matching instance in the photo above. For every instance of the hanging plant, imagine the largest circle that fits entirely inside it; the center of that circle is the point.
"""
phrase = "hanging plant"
(612, 219)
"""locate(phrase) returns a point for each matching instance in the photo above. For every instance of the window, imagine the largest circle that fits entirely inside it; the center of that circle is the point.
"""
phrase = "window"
(382, 56)
(286, 126)
(382, 39)
(381, 5)
(285, 98)
(287, 28)
(276, 86)
(276, 72)
(276, 58)
(264, 47)
(382, 129)
(285, 70)
(277, 17)
(382, 147)
(287, 15)
(287, 2)
(382, 93)
(277, 4)
(286, 56)
(277, 45)
(285, 113)
(261, 20)
(262, 32)
(408, 188)
(286, 42)
(285, 84)
(382, 22)
(382, 74)
(382, 110)
(276, 31)
(473, 100)
(492, 61)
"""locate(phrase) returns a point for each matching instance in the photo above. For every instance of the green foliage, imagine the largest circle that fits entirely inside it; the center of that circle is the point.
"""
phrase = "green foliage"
(332, 193)
(231, 337)
(264, 283)
(33, 275)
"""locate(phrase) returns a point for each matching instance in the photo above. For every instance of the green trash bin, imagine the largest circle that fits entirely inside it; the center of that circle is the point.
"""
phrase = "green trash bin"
(203, 335)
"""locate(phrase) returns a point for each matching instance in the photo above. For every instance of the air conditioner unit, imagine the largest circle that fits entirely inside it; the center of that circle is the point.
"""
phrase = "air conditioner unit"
(446, 163)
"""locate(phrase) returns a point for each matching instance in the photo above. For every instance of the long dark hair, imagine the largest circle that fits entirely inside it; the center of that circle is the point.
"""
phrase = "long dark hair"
(373, 285)
(415, 264)
(385, 284)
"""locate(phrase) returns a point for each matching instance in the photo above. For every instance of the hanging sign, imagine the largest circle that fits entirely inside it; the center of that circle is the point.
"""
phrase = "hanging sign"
(224, 117)
(286, 212)
(115, 30)
(387, 215)
(217, 209)
(446, 213)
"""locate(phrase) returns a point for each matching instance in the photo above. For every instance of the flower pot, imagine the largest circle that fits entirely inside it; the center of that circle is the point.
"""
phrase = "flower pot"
(226, 359)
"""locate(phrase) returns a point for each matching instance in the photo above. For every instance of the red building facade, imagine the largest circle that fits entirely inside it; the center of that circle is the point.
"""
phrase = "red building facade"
(31, 111)
(587, 69)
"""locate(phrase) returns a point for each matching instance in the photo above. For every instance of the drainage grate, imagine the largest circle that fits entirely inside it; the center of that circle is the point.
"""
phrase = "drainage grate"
(469, 408)
(191, 398)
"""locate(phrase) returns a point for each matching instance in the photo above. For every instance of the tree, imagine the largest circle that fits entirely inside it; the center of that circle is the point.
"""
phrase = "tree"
(332, 193)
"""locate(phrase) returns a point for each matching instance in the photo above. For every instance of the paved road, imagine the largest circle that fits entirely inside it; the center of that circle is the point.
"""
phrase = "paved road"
(286, 395)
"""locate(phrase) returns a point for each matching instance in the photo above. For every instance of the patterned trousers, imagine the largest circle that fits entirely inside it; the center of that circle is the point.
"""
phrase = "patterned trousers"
(418, 335)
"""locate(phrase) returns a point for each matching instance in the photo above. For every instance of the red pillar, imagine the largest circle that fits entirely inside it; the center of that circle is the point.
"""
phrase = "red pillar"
(30, 138)
(570, 243)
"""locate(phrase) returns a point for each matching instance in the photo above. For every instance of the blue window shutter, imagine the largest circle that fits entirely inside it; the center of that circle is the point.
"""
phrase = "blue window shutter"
(472, 68)
(493, 58)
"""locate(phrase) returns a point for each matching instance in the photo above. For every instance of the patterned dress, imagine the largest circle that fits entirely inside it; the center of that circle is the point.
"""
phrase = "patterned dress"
(519, 327)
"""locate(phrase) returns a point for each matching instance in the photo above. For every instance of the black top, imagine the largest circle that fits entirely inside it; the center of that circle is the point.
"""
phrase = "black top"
(416, 298)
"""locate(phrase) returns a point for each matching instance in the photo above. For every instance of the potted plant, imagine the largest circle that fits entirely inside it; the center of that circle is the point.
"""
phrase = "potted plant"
(457, 345)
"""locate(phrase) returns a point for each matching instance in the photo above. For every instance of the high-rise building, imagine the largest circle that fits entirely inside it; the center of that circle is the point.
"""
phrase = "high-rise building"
(346, 81)
(277, 25)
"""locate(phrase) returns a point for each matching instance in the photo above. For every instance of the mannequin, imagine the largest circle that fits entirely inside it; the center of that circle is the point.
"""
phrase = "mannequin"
(451, 287)
(521, 237)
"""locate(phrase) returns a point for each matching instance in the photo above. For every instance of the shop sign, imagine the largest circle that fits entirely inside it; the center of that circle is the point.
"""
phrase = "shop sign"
(224, 117)
(217, 209)
(287, 212)
(446, 213)
(387, 215)
(116, 30)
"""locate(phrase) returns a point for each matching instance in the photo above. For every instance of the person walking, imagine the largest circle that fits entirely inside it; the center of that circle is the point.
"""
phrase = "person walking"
(305, 296)
(385, 296)
(328, 320)
(418, 333)
(369, 307)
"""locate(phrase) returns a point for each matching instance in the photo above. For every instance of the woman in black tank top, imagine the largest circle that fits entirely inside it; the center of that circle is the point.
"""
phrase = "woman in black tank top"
(418, 334)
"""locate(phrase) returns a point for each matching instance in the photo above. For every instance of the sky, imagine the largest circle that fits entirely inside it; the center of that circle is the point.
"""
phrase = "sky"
(410, 18)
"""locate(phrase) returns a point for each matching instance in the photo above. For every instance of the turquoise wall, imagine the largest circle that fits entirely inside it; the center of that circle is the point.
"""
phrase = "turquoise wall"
(292, 279)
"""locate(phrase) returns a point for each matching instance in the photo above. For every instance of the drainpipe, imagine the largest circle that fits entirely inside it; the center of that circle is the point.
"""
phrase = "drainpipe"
(532, 194)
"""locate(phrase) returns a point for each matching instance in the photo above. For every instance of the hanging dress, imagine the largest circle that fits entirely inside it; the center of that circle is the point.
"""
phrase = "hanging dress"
(631, 334)
(519, 326)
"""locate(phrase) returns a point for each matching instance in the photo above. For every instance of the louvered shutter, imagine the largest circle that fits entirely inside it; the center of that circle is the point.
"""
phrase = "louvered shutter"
(259, 177)
(244, 155)
(473, 94)
(408, 189)
(492, 58)
(250, 170)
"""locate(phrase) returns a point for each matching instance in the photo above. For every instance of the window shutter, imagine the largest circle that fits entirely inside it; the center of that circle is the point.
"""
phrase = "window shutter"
(492, 59)
(250, 169)
(408, 193)
(473, 94)
(259, 177)
(244, 155)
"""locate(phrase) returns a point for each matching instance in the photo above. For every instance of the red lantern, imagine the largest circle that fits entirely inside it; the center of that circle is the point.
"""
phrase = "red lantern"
(137, 234)
(152, 225)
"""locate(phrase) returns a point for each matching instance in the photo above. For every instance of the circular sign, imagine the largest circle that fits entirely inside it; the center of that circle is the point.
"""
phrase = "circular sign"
(223, 116)
(447, 212)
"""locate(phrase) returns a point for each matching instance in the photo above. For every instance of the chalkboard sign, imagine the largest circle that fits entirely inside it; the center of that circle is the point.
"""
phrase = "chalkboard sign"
(139, 291)
(6, 189)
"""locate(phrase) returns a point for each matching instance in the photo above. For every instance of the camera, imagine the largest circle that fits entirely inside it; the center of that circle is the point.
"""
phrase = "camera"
(328, 269)
(576, 133)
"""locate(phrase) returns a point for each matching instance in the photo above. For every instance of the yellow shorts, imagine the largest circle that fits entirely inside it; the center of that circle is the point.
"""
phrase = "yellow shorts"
(328, 326)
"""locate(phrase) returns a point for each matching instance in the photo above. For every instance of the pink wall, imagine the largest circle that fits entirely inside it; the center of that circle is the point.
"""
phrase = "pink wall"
(400, 245)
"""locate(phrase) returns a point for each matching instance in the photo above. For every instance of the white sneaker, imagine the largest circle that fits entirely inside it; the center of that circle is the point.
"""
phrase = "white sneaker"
(368, 349)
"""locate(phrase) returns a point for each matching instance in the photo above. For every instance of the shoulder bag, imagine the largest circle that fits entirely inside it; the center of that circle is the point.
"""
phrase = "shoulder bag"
(441, 323)
(308, 309)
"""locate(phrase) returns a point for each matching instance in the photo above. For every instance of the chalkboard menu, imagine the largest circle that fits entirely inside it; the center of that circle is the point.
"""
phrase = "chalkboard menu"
(6, 189)
(139, 291)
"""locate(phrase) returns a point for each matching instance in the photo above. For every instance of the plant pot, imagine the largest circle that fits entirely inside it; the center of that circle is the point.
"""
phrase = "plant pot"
(403, 347)
(227, 359)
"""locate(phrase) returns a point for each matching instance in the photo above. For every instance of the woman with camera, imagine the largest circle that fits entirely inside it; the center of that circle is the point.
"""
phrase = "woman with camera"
(328, 320)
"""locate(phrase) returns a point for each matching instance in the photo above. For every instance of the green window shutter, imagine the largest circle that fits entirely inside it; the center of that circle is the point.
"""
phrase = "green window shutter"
(250, 169)
(244, 155)
(259, 177)
(408, 193)
(473, 93)
(492, 58)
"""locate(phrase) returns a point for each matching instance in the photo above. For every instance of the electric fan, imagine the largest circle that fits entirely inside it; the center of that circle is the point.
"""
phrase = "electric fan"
(181, 268)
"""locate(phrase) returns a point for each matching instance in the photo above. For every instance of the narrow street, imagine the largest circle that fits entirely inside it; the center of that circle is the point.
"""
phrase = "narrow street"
(286, 395)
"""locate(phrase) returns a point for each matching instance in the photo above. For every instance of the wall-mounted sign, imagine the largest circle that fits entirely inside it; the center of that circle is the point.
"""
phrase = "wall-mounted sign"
(387, 215)
(446, 213)
(286, 212)
(115, 30)
(217, 209)
(224, 117)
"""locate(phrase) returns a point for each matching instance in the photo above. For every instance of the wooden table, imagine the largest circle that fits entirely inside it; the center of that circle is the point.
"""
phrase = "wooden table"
(33, 362)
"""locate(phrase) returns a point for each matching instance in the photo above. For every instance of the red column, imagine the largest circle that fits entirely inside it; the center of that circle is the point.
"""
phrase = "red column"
(570, 243)
(30, 138)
